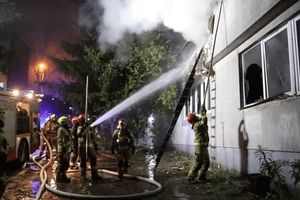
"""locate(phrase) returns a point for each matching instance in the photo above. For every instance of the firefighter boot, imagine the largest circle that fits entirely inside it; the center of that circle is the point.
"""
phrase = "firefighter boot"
(62, 178)
(95, 175)
(121, 174)
(83, 174)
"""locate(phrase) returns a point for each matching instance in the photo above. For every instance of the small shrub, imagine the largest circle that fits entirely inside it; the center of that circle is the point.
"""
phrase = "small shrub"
(273, 169)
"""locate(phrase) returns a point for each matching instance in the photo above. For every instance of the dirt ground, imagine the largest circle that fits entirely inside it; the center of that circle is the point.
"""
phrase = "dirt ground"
(171, 174)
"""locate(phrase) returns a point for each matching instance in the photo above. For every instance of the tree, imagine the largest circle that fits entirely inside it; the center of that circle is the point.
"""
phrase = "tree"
(6, 58)
(8, 12)
(113, 79)
(8, 15)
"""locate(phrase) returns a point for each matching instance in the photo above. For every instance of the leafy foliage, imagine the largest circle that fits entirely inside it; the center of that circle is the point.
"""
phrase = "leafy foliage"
(6, 59)
(114, 75)
(295, 171)
(8, 12)
(273, 169)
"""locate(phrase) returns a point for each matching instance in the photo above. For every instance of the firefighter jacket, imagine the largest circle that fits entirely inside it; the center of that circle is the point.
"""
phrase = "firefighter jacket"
(63, 140)
(201, 132)
(51, 127)
(83, 133)
(74, 136)
(122, 139)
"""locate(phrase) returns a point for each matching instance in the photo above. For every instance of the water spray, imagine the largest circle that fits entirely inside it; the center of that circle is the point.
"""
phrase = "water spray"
(161, 82)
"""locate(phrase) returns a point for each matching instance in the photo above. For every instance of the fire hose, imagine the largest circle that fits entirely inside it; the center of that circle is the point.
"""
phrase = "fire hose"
(44, 177)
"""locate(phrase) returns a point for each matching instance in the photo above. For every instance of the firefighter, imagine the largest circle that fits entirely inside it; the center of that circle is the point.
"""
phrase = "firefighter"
(50, 130)
(85, 132)
(63, 150)
(3, 153)
(74, 136)
(123, 144)
(201, 162)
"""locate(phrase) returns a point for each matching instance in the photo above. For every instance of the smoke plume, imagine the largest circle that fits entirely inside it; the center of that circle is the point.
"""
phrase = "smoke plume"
(114, 18)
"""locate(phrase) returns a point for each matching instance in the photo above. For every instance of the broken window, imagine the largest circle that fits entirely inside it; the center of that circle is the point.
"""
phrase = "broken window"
(268, 68)
(252, 75)
(278, 64)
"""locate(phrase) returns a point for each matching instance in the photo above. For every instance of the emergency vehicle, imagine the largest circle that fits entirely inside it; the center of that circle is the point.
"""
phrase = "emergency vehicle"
(21, 123)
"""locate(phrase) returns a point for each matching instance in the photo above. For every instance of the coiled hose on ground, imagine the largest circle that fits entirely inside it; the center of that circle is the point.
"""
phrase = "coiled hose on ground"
(44, 177)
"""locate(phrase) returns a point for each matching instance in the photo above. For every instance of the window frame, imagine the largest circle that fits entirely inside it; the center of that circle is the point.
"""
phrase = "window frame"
(293, 42)
(295, 47)
(290, 53)
(243, 73)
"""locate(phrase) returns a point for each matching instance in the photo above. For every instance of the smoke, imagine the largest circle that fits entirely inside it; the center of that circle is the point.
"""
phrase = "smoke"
(114, 18)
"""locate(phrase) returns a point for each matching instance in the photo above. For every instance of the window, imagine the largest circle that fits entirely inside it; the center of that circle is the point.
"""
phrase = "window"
(187, 106)
(278, 64)
(23, 124)
(270, 68)
(196, 99)
(252, 72)
(199, 96)
(193, 99)
(297, 49)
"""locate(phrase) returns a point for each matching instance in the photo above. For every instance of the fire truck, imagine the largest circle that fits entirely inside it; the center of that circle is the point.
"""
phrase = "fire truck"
(21, 123)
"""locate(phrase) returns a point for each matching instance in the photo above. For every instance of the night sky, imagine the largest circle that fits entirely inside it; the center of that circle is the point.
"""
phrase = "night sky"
(43, 26)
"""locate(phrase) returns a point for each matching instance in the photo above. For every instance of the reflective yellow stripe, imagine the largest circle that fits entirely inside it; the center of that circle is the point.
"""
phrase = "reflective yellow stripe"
(201, 143)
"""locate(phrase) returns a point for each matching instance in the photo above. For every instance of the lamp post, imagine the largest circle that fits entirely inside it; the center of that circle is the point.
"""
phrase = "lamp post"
(40, 72)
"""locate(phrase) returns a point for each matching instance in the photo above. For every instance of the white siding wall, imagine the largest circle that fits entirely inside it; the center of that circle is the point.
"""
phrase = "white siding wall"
(274, 124)
(237, 16)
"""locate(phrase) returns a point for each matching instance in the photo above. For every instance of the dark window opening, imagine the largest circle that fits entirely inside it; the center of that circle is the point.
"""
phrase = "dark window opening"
(23, 125)
(252, 75)
(255, 84)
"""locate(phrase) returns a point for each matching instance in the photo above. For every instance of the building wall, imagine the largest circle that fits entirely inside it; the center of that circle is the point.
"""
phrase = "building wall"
(237, 16)
(236, 130)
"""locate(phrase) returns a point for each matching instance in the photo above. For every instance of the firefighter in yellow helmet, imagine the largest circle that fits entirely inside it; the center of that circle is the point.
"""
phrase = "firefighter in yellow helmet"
(123, 144)
(50, 130)
(201, 162)
(63, 150)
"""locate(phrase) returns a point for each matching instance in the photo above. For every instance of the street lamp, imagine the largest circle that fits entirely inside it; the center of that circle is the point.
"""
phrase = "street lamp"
(40, 72)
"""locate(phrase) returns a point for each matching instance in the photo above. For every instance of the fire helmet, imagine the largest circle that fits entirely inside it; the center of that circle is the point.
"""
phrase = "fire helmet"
(63, 120)
(81, 118)
(75, 120)
(192, 118)
(122, 123)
